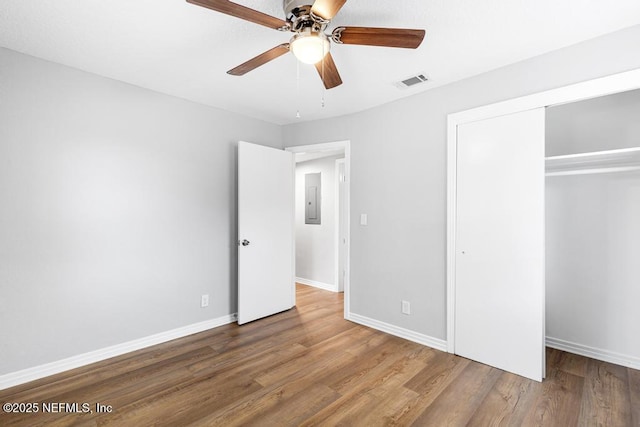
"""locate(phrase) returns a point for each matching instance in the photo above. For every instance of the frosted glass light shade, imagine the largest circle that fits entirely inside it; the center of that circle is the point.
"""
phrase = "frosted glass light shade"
(310, 47)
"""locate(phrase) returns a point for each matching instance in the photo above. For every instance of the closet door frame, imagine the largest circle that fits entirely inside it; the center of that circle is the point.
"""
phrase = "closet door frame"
(603, 86)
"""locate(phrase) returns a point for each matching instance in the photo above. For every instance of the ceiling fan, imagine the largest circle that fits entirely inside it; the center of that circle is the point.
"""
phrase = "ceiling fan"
(309, 43)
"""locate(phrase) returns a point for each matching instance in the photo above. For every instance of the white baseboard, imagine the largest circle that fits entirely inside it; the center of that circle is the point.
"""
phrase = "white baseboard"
(316, 284)
(37, 372)
(407, 334)
(594, 353)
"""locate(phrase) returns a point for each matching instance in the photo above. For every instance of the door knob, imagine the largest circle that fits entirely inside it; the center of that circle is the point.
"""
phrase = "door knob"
(245, 242)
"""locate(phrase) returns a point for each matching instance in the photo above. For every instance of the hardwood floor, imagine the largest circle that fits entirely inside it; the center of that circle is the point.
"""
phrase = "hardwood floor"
(309, 366)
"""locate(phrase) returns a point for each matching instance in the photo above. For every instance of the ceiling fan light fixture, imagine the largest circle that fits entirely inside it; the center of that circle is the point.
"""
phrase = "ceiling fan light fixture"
(310, 47)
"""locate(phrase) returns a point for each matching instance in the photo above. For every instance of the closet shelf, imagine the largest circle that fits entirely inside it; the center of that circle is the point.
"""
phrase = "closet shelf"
(623, 160)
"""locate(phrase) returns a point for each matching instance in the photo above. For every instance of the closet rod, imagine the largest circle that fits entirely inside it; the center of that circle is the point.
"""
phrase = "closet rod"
(593, 171)
(610, 161)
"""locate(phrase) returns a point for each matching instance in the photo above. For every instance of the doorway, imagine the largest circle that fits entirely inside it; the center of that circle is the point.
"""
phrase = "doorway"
(322, 242)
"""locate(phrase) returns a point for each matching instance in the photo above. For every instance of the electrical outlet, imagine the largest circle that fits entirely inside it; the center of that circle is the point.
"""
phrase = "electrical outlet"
(406, 307)
(204, 300)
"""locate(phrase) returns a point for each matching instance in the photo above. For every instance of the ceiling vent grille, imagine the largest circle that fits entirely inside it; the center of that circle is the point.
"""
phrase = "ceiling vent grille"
(412, 81)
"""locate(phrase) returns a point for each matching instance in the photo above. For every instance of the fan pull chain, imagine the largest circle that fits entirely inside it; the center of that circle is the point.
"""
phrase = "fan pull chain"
(298, 88)
(324, 89)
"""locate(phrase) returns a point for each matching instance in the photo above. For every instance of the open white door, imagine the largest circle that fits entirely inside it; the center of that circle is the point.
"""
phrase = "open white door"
(266, 283)
(499, 274)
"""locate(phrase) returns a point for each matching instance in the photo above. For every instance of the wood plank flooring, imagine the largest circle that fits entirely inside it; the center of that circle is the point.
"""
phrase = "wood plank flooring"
(309, 367)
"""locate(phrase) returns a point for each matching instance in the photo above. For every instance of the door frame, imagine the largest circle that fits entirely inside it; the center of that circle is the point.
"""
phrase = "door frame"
(340, 209)
(616, 83)
(330, 146)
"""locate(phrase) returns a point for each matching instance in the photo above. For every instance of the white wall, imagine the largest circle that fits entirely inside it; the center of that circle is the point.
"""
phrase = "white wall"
(592, 252)
(398, 175)
(592, 230)
(117, 211)
(315, 243)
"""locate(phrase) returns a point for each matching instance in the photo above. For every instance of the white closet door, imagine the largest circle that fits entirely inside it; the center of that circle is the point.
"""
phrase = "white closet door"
(499, 283)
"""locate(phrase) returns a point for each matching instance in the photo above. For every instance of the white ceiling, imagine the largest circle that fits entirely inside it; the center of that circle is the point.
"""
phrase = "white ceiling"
(184, 50)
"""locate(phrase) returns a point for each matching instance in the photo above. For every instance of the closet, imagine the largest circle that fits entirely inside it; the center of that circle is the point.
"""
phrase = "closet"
(546, 250)
(593, 227)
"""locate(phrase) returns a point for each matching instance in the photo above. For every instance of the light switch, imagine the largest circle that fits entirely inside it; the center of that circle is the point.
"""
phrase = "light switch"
(363, 219)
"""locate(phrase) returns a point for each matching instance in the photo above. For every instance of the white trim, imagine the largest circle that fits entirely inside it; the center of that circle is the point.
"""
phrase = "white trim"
(594, 353)
(314, 148)
(347, 198)
(407, 334)
(452, 213)
(331, 146)
(339, 208)
(316, 284)
(293, 230)
(603, 86)
(37, 372)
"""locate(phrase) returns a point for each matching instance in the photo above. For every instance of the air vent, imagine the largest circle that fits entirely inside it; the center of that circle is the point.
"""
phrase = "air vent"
(412, 81)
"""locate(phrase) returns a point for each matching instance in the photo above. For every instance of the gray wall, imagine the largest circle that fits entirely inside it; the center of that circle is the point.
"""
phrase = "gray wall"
(604, 123)
(398, 175)
(117, 211)
(117, 204)
(316, 243)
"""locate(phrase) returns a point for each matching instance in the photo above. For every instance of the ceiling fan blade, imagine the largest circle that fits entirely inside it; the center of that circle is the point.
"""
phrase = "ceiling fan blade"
(389, 37)
(329, 72)
(242, 12)
(327, 9)
(259, 60)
